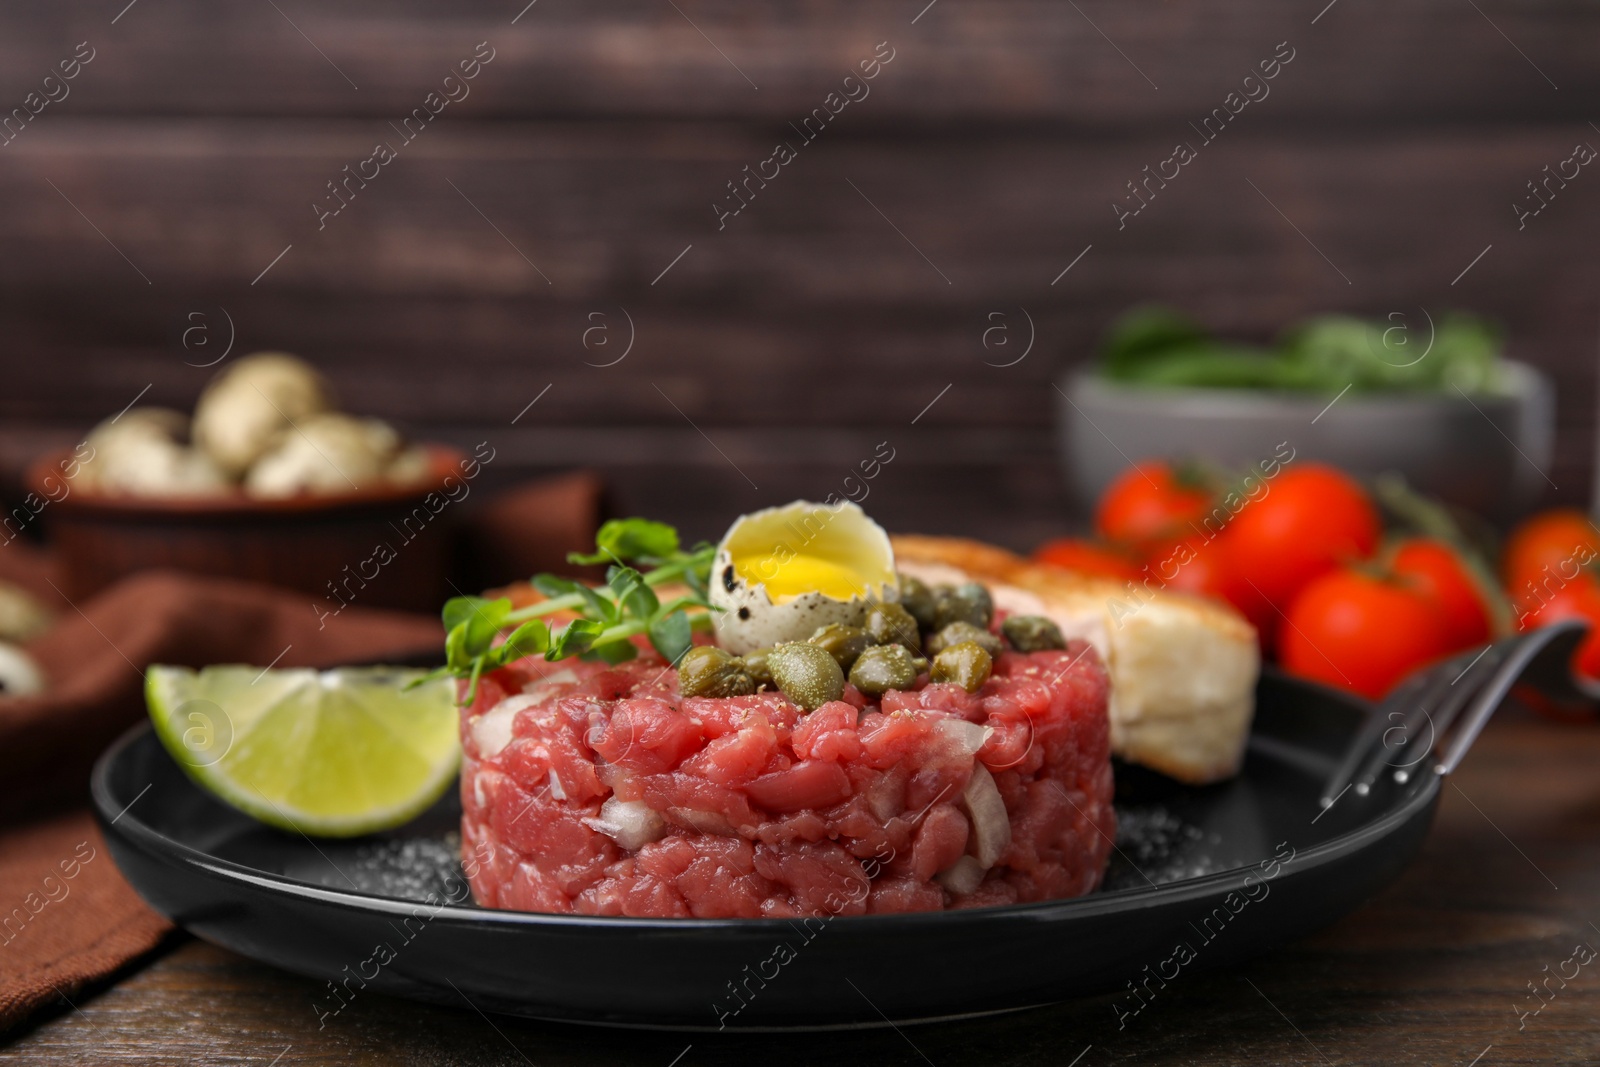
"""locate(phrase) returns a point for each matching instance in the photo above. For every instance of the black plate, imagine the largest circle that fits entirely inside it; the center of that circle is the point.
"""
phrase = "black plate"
(1201, 878)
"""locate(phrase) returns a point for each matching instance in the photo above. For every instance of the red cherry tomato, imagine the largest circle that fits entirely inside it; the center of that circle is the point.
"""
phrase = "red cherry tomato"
(1149, 502)
(1195, 565)
(1578, 599)
(1204, 566)
(1547, 551)
(1086, 557)
(1437, 571)
(1360, 632)
(1310, 520)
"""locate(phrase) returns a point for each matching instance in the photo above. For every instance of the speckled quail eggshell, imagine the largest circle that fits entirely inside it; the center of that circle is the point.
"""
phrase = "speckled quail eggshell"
(750, 620)
(330, 453)
(244, 410)
(19, 674)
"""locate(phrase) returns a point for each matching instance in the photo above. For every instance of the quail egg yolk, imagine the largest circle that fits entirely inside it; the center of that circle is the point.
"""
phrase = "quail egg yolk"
(787, 574)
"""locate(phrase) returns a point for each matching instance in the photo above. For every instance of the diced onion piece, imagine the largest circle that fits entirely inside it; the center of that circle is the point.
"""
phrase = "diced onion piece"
(541, 687)
(491, 731)
(962, 876)
(886, 796)
(968, 735)
(632, 824)
(991, 827)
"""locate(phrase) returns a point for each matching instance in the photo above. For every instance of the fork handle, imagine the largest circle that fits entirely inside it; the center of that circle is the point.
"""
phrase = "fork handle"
(1541, 657)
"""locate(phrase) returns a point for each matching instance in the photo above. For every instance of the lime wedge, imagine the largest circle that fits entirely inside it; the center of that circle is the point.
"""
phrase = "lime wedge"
(331, 753)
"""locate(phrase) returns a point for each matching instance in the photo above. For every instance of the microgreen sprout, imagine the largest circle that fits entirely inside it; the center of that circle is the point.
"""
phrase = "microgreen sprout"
(641, 554)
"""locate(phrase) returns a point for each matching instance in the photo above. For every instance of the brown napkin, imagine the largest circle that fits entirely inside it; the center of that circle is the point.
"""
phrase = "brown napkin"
(66, 916)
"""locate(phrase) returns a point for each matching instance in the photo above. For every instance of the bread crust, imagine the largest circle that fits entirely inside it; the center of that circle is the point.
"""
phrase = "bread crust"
(1183, 669)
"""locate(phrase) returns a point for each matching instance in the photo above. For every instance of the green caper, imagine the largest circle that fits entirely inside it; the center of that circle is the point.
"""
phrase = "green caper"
(885, 667)
(967, 602)
(844, 643)
(755, 665)
(966, 664)
(957, 633)
(1032, 633)
(891, 624)
(917, 598)
(708, 671)
(806, 673)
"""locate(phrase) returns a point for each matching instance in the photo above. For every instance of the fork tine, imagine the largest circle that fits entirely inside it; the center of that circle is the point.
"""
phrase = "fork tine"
(1436, 688)
(1371, 733)
(1469, 687)
(1451, 702)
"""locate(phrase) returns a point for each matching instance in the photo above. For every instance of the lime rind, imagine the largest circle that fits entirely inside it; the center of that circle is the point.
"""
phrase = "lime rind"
(330, 754)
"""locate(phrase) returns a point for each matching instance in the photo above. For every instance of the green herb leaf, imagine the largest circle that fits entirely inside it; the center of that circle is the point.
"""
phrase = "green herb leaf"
(458, 609)
(609, 618)
(622, 540)
(574, 638)
(594, 605)
(484, 623)
(628, 586)
(529, 639)
(456, 656)
(671, 634)
(614, 652)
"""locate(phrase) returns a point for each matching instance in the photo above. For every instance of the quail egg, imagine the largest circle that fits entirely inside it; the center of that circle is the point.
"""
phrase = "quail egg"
(245, 410)
(22, 616)
(20, 676)
(327, 453)
(140, 451)
(782, 573)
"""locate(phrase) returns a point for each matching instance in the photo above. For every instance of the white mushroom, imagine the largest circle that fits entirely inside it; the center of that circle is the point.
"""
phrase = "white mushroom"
(246, 409)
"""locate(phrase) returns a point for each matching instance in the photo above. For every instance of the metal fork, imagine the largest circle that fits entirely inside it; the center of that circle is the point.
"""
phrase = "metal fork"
(1469, 687)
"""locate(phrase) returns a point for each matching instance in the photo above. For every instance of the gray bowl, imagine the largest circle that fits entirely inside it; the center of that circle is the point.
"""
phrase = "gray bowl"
(1489, 453)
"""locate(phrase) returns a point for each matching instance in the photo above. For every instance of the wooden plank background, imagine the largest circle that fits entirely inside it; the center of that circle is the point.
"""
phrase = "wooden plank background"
(852, 290)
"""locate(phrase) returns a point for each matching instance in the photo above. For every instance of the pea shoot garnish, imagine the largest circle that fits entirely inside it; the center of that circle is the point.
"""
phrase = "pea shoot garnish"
(642, 555)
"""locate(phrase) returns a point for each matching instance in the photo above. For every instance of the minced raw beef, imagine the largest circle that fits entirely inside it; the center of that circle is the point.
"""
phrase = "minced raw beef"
(599, 790)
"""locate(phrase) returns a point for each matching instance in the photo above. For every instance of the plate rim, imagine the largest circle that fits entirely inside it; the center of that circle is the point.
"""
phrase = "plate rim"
(152, 841)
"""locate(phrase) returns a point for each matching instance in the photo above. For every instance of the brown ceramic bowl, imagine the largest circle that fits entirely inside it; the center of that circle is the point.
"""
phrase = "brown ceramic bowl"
(379, 546)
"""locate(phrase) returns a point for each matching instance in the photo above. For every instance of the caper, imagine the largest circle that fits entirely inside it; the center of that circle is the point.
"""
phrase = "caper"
(755, 665)
(959, 632)
(708, 671)
(965, 664)
(891, 624)
(917, 598)
(844, 643)
(967, 602)
(806, 673)
(1032, 633)
(885, 667)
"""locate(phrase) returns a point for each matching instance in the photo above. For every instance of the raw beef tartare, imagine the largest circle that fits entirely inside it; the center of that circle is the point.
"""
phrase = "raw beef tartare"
(602, 790)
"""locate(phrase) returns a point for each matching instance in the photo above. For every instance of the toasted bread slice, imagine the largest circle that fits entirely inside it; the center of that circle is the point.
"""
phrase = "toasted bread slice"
(1183, 669)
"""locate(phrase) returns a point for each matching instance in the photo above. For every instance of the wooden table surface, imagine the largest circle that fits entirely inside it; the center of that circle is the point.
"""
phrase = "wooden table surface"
(1432, 971)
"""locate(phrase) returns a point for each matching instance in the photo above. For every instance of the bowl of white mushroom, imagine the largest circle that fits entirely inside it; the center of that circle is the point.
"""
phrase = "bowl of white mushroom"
(268, 481)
